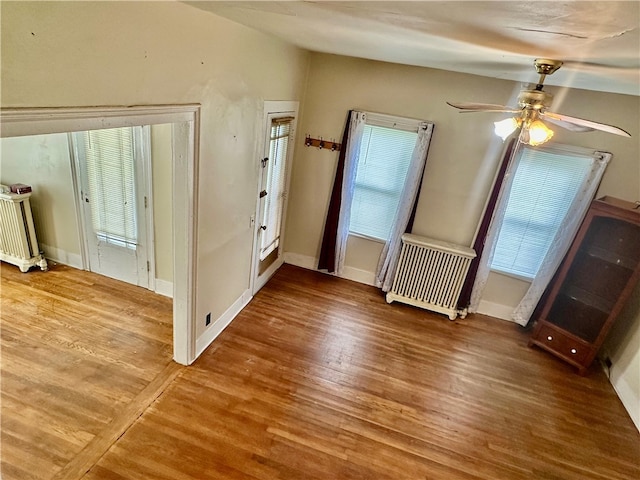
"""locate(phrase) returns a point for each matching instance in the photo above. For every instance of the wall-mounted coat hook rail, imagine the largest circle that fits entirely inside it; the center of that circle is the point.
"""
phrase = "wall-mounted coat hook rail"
(321, 143)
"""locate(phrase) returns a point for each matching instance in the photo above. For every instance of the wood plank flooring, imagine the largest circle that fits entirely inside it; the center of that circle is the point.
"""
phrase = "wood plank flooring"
(318, 378)
(78, 350)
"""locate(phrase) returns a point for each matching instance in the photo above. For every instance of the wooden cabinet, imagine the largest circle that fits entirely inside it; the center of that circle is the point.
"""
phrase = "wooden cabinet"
(593, 283)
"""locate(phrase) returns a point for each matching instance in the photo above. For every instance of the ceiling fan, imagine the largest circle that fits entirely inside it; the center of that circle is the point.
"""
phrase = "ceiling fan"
(532, 109)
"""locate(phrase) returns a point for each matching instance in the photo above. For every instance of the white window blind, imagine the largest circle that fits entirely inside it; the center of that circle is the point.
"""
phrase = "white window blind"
(544, 185)
(110, 158)
(385, 155)
(276, 184)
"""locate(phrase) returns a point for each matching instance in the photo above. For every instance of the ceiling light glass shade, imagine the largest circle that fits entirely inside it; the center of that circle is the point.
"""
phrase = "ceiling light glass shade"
(533, 132)
(506, 127)
(539, 133)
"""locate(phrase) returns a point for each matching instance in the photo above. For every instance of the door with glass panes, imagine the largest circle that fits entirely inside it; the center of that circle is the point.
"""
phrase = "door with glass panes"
(274, 166)
(111, 170)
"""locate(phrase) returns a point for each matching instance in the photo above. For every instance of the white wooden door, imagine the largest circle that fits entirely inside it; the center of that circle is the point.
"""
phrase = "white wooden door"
(112, 167)
(273, 189)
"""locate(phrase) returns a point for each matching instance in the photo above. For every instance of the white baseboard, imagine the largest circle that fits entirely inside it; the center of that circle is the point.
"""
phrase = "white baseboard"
(303, 261)
(311, 263)
(368, 278)
(357, 275)
(495, 310)
(58, 255)
(163, 287)
(627, 396)
(222, 322)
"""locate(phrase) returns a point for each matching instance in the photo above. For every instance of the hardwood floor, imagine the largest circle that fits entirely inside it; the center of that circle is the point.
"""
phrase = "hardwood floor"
(318, 378)
(79, 351)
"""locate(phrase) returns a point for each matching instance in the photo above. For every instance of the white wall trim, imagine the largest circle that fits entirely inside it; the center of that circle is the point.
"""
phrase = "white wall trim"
(358, 275)
(164, 287)
(17, 122)
(58, 255)
(303, 261)
(368, 278)
(496, 310)
(348, 273)
(629, 399)
(222, 322)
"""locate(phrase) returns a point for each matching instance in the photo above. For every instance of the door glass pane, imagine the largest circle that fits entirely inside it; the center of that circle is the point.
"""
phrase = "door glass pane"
(111, 181)
(275, 185)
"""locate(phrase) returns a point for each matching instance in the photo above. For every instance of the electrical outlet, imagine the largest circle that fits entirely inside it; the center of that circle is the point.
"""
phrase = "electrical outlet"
(605, 362)
(207, 320)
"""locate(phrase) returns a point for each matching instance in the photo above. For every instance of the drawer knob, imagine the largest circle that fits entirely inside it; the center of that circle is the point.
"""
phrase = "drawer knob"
(549, 338)
(574, 351)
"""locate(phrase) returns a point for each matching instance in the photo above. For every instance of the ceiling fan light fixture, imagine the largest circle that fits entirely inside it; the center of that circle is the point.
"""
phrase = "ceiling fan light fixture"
(506, 127)
(538, 133)
(533, 103)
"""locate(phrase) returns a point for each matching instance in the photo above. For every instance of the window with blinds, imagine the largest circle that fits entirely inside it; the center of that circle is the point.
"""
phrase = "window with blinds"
(110, 165)
(275, 184)
(385, 155)
(545, 184)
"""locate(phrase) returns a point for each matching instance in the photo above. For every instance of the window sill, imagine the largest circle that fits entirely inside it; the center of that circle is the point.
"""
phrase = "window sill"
(366, 237)
(522, 278)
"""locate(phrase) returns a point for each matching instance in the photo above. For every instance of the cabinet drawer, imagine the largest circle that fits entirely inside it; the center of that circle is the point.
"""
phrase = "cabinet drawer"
(562, 344)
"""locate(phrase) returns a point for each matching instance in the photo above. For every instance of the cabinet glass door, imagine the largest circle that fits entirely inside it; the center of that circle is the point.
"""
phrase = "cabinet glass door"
(600, 271)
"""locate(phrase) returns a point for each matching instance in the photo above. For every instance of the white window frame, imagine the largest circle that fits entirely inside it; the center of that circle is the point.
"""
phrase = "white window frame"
(391, 122)
(557, 149)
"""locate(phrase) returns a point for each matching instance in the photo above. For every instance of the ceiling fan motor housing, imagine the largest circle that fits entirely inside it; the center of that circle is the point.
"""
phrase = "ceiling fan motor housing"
(534, 99)
(546, 66)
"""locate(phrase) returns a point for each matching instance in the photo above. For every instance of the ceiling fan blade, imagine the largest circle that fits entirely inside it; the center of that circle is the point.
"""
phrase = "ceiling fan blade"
(566, 125)
(482, 107)
(586, 123)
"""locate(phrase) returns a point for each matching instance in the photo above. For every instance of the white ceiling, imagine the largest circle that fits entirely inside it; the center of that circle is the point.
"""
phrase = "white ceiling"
(598, 41)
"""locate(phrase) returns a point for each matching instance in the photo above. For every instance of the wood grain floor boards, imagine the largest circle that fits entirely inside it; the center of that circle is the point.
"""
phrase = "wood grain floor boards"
(76, 350)
(318, 378)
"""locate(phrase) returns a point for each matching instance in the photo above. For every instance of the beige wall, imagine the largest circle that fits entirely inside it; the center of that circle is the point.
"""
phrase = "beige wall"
(463, 154)
(137, 53)
(43, 162)
(456, 179)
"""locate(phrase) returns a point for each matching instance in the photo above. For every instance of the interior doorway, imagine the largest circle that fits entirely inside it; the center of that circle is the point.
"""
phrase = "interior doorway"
(112, 175)
(184, 120)
(277, 152)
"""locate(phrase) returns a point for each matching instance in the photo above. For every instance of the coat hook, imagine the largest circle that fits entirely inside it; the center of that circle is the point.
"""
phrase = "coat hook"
(307, 140)
(321, 144)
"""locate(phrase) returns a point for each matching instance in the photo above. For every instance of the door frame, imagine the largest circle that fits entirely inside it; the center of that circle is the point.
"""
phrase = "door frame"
(185, 120)
(271, 108)
(144, 181)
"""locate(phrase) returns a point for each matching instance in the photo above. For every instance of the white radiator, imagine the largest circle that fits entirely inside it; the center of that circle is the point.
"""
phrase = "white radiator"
(18, 243)
(430, 274)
